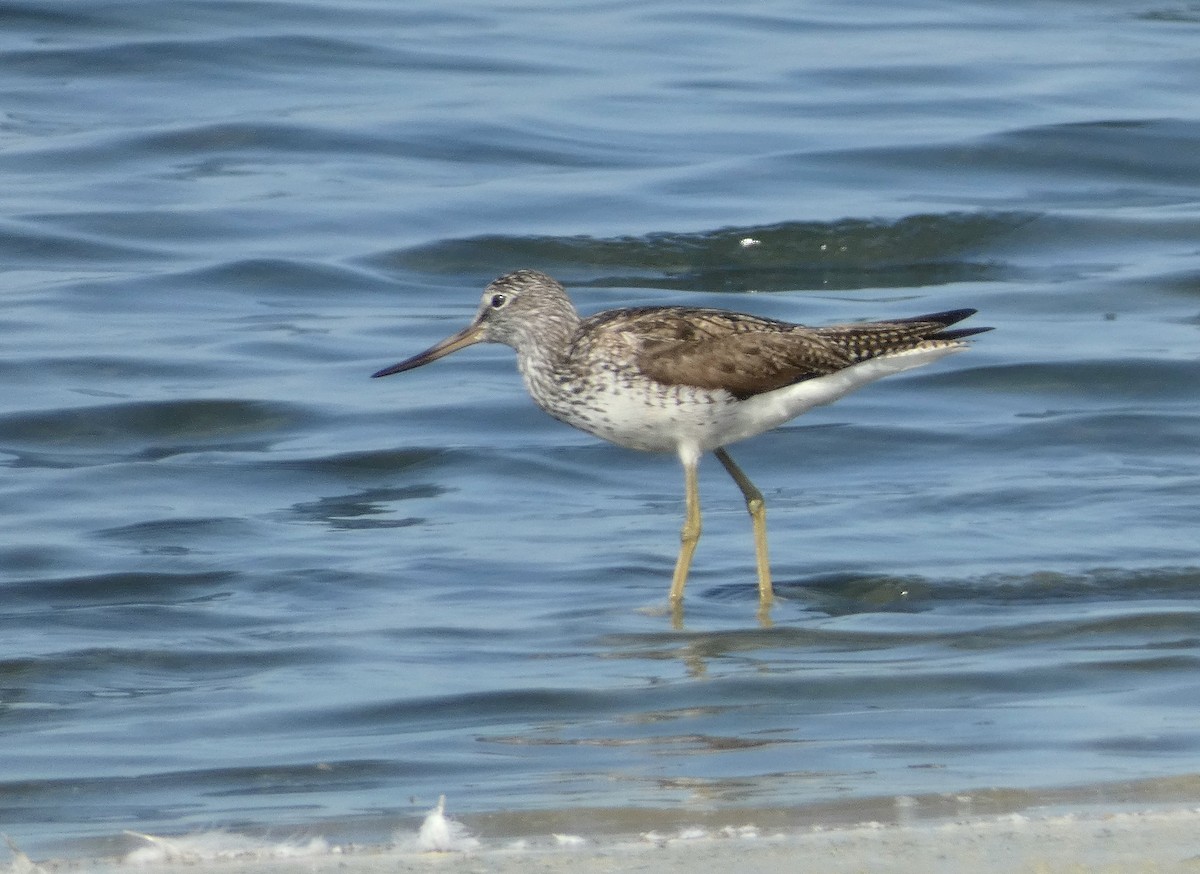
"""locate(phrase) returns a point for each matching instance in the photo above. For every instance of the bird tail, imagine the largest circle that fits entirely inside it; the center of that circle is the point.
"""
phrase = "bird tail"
(946, 319)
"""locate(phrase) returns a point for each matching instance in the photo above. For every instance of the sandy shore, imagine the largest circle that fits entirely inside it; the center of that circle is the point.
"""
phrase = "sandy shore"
(1164, 840)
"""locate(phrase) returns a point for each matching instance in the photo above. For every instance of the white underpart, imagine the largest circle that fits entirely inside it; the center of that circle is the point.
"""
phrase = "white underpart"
(771, 409)
(691, 429)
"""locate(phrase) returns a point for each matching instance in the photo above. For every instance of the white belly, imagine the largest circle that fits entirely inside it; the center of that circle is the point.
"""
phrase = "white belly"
(655, 418)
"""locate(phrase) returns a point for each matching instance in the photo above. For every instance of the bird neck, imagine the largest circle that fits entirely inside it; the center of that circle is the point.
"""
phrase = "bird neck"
(544, 350)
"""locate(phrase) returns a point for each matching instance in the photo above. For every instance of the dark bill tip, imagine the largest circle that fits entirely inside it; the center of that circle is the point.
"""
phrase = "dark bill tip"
(469, 336)
(395, 368)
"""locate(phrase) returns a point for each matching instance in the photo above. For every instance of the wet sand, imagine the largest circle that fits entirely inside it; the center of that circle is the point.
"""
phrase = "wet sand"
(1162, 840)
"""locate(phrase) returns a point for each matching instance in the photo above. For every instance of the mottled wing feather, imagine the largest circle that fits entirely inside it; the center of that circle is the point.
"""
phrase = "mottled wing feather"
(747, 355)
(714, 349)
(744, 364)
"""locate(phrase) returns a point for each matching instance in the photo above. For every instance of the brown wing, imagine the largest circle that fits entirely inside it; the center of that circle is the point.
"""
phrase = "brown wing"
(714, 349)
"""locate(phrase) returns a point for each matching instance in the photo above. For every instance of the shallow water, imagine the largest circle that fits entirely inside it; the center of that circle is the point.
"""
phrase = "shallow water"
(244, 586)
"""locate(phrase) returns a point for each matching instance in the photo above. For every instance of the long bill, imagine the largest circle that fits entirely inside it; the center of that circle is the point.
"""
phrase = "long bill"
(468, 336)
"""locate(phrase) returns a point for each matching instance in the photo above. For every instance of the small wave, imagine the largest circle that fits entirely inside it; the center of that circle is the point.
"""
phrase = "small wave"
(917, 250)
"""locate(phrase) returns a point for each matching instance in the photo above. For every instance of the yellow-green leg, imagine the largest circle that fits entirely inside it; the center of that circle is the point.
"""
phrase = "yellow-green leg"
(758, 515)
(690, 535)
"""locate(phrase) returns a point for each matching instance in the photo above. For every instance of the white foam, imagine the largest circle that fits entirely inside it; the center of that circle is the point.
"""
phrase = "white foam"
(216, 846)
(21, 864)
(441, 834)
(745, 832)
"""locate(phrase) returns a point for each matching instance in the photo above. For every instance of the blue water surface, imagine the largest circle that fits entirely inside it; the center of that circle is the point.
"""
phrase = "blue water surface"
(244, 586)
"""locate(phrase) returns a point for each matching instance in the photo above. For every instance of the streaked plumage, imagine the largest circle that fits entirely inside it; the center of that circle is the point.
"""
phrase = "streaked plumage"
(686, 379)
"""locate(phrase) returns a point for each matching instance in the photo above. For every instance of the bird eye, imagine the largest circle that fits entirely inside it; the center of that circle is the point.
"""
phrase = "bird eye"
(498, 300)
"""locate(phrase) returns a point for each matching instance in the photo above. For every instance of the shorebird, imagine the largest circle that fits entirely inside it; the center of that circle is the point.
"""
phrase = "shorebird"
(688, 380)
